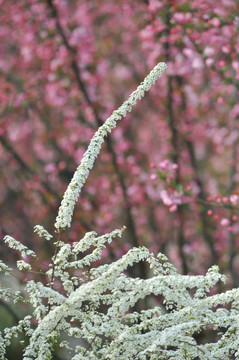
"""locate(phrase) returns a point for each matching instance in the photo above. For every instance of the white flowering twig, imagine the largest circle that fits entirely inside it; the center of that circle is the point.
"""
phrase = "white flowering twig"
(16, 245)
(42, 232)
(5, 268)
(80, 176)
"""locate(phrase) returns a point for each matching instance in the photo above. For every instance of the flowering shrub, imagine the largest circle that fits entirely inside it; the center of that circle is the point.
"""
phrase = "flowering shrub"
(101, 312)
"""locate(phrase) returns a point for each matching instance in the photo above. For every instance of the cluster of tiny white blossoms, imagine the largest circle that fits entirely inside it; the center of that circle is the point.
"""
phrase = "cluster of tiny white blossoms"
(16, 245)
(95, 306)
(100, 315)
(80, 176)
(42, 232)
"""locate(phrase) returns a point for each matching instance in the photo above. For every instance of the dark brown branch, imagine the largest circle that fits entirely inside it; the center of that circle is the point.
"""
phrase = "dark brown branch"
(231, 186)
(174, 140)
(205, 223)
(29, 173)
(7, 146)
(207, 235)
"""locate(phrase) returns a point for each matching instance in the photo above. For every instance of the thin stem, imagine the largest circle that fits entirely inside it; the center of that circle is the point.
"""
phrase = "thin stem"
(89, 346)
(54, 259)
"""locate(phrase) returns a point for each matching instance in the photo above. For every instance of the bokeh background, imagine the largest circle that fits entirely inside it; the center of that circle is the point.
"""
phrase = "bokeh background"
(169, 171)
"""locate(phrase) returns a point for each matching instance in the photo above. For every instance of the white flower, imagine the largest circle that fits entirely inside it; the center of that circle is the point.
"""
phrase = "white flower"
(42, 232)
(5, 268)
(14, 244)
(22, 265)
(80, 176)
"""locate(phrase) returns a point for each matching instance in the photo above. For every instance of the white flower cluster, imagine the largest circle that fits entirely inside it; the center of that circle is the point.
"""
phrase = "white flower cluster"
(5, 268)
(42, 232)
(8, 295)
(24, 326)
(14, 244)
(99, 313)
(22, 265)
(80, 176)
(67, 257)
(37, 292)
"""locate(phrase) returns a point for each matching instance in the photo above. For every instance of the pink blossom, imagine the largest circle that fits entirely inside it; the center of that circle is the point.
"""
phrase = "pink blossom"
(215, 22)
(197, 63)
(50, 168)
(153, 176)
(188, 52)
(209, 51)
(233, 198)
(220, 100)
(225, 222)
(226, 49)
(165, 198)
(209, 62)
(235, 65)
(163, 164)
(173, 208)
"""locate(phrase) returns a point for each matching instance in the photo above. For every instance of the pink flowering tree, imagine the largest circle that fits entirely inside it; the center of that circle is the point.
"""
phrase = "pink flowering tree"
(170, 172)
